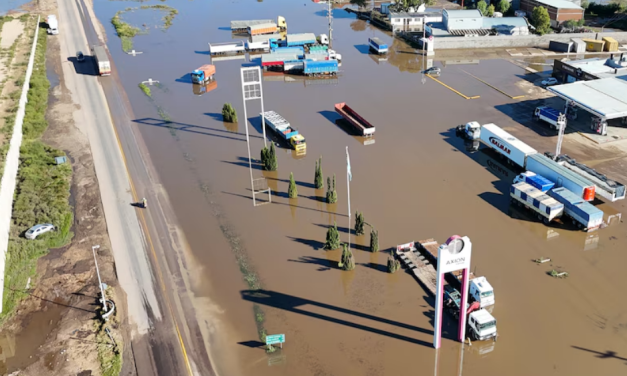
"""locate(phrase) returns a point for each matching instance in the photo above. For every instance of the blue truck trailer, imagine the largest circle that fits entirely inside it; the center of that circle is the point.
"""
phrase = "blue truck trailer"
(548, 115)
(582, 213)
(319, 68)
(377, 46)
(298, 51)
(303, 39)
(545, 207)
(561, 176)
(537, 181)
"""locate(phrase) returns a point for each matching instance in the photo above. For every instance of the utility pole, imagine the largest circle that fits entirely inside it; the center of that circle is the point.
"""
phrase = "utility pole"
(561, 123)
(104, 301)
(330, 18)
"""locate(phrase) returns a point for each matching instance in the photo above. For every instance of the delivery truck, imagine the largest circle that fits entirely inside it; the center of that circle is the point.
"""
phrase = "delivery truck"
(320, 68)
(235, 47)
(537, 181)
(103, 65)
(469, 131)
(545, 207)
(549, 115)
(269, 61)
(284, 130)
(505, 144)
(203, 74)
(583, 214)
(561, 176)
(480, 324)
(377, 46)
(53, 25)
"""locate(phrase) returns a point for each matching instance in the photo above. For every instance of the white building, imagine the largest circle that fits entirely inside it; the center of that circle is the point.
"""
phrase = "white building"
(402, 21)
(470, 19)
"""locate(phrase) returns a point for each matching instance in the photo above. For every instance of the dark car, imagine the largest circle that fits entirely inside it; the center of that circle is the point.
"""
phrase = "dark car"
(80, 57)
(433, 71)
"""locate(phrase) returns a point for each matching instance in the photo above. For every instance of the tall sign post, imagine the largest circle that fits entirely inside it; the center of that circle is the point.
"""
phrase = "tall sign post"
(452, 256)
(349, 177)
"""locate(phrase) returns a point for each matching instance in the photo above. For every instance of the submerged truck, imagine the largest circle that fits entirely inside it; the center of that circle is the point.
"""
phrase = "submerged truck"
(545, 207)
(480, 324)
(358, 123)
(537, 181)
(285, 131)
(244, 25)
(320, 68)
(548, 115)
(561, 176)
(377, 46)
(303, 39)
(102, 60)
(505, 144)
(235, 47)
(582, 213)
(203, 74)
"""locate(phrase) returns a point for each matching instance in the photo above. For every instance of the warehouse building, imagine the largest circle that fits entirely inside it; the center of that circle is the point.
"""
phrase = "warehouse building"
(560, 11)
(591, 69)
(467, 23)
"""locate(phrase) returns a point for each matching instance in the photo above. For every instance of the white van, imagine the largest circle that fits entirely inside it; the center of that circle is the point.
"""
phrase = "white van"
(53, 24)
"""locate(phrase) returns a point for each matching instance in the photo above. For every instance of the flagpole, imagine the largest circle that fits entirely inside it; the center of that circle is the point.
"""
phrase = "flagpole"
(348, 189)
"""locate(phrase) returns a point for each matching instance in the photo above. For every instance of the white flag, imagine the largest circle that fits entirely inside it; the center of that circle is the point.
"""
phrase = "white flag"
(348, 166)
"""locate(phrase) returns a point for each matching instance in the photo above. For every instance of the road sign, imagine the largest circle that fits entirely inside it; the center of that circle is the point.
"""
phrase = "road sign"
(275, 338)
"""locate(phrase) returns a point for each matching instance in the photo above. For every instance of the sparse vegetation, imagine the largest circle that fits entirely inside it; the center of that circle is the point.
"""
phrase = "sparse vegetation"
(268, 158)
(109, 354)
(127, 32)
(374, 240)
(490, 10)
(229, 114)
(318, 179)
(333, 238)
(359, 223)
(393, 264)
(347, 262)
(331, 193)
(145, 89)
(503, 6)
(292, 191)
(167, 19)
(483, 7)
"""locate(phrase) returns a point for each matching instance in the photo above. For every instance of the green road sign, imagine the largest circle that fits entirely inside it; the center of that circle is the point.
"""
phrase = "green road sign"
(275, 338)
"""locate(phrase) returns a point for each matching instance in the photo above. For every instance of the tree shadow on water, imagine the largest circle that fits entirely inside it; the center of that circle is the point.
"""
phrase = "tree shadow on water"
(324, 263)
(298, 305)
(309, 242)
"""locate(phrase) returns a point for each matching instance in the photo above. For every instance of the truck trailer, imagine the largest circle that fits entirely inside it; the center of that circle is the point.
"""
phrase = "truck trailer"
(505, 144)
(264, 28)
(358, 123)
(303, 39)
(548, 115)
(261, 46)
(299, 51)
(284, 130)
(561, 176)
(545, 207)
(203, 74)
(235, 47)
(276, 60)
(377, 46)
(608, 189)
(320, 68)
(243, 25)
(537, 181)
(480, 324)
(102, 60)
(583, 214)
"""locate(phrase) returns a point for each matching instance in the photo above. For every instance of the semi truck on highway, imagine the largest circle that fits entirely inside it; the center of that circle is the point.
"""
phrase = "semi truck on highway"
(203, 74)
(549, 115)
(357, 122)
(284, 130)
(235, 47)
(480, 324)
(102, 60)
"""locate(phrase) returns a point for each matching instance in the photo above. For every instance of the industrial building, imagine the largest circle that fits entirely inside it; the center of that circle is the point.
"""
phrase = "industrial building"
(591, 69)
(412, 22)
(560, 11)
(471, 22)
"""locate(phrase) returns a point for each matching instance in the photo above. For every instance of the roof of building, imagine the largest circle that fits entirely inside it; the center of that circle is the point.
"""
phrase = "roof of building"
(489, 22)
(600, 67)
(463, 13)
(604, 97)
(561, 4)
(414, 14)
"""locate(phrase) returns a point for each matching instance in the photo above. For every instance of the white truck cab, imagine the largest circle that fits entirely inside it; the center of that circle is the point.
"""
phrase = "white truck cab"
(481, 325)
(324, 39)
(482, 292)
(334, 55)
(470, 130)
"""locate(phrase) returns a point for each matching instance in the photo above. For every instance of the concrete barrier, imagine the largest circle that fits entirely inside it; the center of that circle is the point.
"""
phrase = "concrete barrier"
(7, 184)
(510, 41)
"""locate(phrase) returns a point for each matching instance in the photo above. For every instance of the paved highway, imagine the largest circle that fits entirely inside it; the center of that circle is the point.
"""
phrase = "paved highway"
(165, 338)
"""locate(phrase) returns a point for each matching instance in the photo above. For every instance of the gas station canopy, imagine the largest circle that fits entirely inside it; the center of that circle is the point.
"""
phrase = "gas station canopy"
(605, 98)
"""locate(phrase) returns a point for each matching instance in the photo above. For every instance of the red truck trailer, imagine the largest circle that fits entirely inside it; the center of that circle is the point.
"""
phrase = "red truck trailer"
(361, 125)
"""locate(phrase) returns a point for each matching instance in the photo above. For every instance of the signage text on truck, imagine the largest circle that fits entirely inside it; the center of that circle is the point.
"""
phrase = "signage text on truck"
(498, 143)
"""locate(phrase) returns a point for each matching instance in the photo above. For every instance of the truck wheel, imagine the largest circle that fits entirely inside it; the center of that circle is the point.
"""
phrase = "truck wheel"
(473, 335)
(579, 225)
(546, 221)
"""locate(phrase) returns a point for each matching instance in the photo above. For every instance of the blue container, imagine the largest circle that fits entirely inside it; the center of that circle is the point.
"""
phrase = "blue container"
(320, 67)
(299, 51)
(550, 113)
(539, 182)
(575, 207)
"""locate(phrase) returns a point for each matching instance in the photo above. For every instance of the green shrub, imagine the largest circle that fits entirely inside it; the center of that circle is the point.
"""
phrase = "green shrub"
(333, 238)
(229, 114)
(374, 240)
(503, 6)
(490, 11)
(145, 89)
(483, 7)
(359, 223)
(393, 264)
(318, 179)
(540, 20)
(347, 262)
(268, 158)
(331, 193)
(292, 192)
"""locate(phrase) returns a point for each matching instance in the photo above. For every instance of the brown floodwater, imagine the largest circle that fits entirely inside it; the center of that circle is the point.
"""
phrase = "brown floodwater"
(416, 181)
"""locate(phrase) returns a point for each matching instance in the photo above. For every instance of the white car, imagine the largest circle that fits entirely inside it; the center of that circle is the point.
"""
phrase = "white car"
(37, 230)
(549, 81)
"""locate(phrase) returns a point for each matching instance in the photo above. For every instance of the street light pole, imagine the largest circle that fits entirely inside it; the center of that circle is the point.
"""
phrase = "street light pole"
(104, 301)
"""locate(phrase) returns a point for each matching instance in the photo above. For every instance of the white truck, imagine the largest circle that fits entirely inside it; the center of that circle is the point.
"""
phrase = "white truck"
(505, 144)
(480, 324)
(263, 46)
(323, 39)
(235, 47)
(53, 25)
(549, 115)
(470, 130)
(481, 291)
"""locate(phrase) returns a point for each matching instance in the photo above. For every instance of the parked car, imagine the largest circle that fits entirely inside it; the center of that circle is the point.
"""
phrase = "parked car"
(80, 57)
(433, 71)
(549, 81)
(37, 230)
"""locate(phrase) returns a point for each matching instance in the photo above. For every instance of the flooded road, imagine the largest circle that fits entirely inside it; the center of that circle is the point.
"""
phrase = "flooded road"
(416, 181)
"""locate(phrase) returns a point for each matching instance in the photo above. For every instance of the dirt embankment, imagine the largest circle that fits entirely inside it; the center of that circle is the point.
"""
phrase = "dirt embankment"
(53, 330)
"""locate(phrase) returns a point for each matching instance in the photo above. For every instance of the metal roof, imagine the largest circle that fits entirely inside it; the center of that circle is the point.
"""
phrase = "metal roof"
(302, 37)
(464, 13)
(604, 97)
(245, 24)
(490, 22)
(561, 4)
(414, 15)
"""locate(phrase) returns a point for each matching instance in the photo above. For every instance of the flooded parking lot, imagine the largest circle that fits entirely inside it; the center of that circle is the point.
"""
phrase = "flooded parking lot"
(416, 181)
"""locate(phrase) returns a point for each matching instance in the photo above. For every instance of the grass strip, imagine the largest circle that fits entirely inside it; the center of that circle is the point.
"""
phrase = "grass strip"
(145, 89)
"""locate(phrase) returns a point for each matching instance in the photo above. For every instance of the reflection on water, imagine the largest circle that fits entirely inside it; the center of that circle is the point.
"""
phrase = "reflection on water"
(199, 89)
(591, 242)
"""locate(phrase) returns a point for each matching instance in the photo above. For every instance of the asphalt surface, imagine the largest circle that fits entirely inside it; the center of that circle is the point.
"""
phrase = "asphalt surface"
(165, 338)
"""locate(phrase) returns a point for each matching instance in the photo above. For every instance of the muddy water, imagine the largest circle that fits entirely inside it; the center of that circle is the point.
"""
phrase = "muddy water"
(415, 182)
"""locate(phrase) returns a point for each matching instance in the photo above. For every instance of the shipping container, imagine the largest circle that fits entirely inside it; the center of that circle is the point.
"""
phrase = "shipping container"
(260, 29)
(561, 176)
(611, 44)
(294, 65)
(579, 46)
(537, 181)
(583, 214)
(328, 67)
(560, 46)
(264, 37)
(227, 48)
(505, 144)
(303, 39)
(594, 45)
(102, 60)
(547, 208)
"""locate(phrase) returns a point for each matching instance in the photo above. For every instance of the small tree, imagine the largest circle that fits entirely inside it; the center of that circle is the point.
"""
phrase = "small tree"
(503, 6)
(347, 262)
(540, 20)
(292, 192)
(374, 240)
(359, 3)
(229, 114)
(268, 158)
(318, 179)
(393, 264)
(490, 11)
(482, 6)
(333, 238)
(331, 193)
(359, 223)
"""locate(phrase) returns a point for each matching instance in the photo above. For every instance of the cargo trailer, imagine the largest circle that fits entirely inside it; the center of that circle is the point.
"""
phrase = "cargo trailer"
(548, 115)
(611, 45)
(505, 144)
(377, 46)
(582, 213)
(261, 46)
(260, 29)
(303, 39)
(235, 47)
(293, 66)
(102, 60)
(608, 189)
(358, 123)
(320, 68)
(243, 25)
(594, 45)
(545, 207)
(276, 60)
(298, 51)
(284, 130)
(264, 37)
(561, 176)
(579, 46)
(537, 181)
